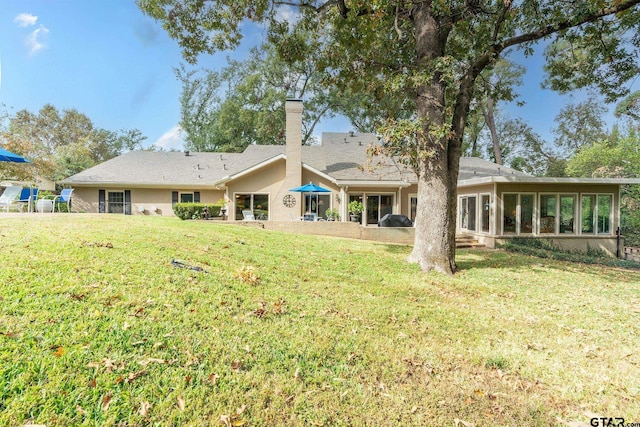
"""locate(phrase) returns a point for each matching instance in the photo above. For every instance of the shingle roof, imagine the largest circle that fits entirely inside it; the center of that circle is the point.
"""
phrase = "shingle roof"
(342, 156)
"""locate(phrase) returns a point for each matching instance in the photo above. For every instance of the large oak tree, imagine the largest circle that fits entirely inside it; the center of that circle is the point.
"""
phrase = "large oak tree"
(430, 53)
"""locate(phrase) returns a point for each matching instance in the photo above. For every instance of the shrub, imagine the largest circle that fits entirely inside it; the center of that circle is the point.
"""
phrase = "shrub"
(355, 207)
(196, 210)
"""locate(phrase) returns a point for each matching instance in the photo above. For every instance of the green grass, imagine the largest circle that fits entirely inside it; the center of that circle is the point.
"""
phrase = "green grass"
(98, 328)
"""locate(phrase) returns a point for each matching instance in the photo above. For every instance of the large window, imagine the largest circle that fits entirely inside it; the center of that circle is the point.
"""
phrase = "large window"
(596, 213)
(518, 213)
(557, 213)
(257, 203)
(378, 205)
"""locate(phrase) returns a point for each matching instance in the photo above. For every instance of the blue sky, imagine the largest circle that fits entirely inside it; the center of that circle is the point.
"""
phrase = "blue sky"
(114, 64)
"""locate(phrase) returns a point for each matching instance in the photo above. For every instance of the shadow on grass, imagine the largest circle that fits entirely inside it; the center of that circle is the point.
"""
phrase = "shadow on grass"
(468, 259)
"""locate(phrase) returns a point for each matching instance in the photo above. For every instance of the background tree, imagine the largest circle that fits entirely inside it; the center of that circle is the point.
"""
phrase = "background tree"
(427, 53)
(615, 157)
(579, 125)
(60, 144)
(243, 104)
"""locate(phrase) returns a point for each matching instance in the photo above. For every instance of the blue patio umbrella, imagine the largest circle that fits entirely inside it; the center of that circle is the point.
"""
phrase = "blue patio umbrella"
(310, 188)
(8, 156)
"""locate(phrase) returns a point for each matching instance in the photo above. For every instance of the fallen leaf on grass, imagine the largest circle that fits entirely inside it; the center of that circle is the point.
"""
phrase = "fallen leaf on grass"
(464, 423)
(144, 409)
(151, 360)
(181, 404)
(106, 401)
(59, 352)
(80, 410)
(92, 383)
(234, 420)
(212, 378)
(134, 375)
(9, 334)
(109, 364)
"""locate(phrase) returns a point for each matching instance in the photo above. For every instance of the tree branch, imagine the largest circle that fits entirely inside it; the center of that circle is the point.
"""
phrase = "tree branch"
(564, 25)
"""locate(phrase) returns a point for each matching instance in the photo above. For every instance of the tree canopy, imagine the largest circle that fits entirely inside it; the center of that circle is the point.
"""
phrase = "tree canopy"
(428, 55)
(60, 143)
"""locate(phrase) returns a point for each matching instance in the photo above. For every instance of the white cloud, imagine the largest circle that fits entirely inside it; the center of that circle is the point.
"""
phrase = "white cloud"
(288, 14)
(34, 40)
(25, 20)
(171, 139)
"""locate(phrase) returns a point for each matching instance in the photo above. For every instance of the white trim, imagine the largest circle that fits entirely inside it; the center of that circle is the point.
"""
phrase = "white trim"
(544, 180)
(372, 183)
(249, 170)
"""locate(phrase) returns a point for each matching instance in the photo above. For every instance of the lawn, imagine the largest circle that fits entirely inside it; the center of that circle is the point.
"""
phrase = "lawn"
(98, 327)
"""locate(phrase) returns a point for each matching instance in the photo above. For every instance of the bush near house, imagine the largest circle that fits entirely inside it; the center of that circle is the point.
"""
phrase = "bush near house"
(196, 210)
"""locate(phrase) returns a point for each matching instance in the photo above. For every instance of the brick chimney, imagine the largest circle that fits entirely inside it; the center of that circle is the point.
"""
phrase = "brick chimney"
(293, 134)
(293, 178)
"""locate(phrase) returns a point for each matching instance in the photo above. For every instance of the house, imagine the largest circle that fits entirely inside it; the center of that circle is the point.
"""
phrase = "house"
(495, 203)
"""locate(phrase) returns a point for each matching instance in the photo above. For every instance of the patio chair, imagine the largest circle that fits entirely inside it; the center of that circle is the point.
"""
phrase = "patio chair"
(28, 197)
(64, 198)
(9, 196)
(247, 215)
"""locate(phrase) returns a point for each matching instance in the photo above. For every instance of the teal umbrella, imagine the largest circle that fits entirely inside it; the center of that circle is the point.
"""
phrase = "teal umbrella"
(310, 188)
(8, 156)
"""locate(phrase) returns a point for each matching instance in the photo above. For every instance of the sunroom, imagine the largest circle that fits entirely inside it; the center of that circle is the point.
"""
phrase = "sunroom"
(574, 213)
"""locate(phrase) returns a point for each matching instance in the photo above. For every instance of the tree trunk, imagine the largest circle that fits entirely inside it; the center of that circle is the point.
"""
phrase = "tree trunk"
(487, 112)
(434, 245)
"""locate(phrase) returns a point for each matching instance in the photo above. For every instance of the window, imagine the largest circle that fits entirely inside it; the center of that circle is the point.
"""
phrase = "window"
(316, 203)
(413, 207)
(518, 213)
(377, 206)
(468, 212)
(485, 206)
(257, 203)
(548, 208)
(186, 197)
(567, 213)
(604, 208)
(588, 207)
(510, 212)
(115, 202)
(596, 213)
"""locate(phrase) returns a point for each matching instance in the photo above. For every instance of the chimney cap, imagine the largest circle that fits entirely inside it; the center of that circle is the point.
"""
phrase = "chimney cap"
(186, 153)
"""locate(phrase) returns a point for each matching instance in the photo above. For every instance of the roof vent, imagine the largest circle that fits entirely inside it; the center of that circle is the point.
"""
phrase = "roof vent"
(224, 166)
(345, 140)
(186, 153)
(360, 143)
(351, 133)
